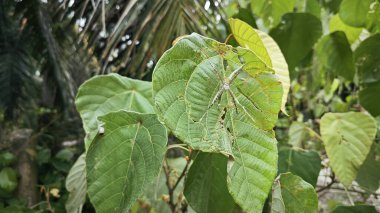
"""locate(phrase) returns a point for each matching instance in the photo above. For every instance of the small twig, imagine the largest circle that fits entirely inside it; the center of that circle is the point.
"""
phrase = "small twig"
(349, 197)
(181, 146)
(171, 189)
(228, 38)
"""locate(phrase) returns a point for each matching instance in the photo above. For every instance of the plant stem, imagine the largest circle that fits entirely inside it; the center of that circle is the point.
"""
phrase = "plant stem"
(171, 189)
(228, 38)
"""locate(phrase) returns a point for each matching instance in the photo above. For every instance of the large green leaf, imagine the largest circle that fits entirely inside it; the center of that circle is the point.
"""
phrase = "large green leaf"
(348, 138)
(271, 11)
(121, 162)
(354, 12)
(297, 195)
(266, 49)
(103, 94)
(305, 164)
(76, 185)
(296, 36)
(186, 80)
(335, 55)
(352, 33)
(206, 184)
(354, 209)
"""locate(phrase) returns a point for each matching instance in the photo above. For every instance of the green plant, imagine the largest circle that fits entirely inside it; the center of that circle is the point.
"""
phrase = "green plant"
(212, 97)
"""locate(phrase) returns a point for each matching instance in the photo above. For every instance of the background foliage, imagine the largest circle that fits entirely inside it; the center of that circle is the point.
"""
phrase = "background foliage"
(49, 48)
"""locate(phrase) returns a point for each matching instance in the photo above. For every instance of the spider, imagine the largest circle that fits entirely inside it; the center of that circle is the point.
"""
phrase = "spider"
(225, 81)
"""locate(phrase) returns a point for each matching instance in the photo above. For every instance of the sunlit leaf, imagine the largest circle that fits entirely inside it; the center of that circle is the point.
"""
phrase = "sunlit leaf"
(352, 33)
(266, 48)
(348, 138)
(271, 11)
(121, 162)
(354, 12)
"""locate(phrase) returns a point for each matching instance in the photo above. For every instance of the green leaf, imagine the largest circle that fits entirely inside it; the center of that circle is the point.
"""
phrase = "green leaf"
(352, 33)
(271, 11)
(368, 97)
(298, 134)
(305, 164)
(335, 55)
(373, 18)
(108, 93)
(296, 36)
(121, 162)
(185, 82)
(8, 179)
(309, 6)
(368, 174)
(354, 12)
(297, 195)
(346, 135)
(367, 59)
(76, 186)
(266, 49)
(354, 209)
(277, 205)
(206, 185)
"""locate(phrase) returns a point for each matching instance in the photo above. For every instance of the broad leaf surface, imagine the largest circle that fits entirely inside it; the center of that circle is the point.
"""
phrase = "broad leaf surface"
(335, 55)
(305, 164)
(124, 160)
(352, 33)
(354, 12)
(186, 80)
(348, 138)
(297, 195)
(271, 11)
(296, 36)
(103, 94)
(76, 185)
(266, 49)
(206, 184)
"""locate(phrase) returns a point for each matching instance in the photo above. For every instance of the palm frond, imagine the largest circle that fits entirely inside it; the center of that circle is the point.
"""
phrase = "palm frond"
(129, 36)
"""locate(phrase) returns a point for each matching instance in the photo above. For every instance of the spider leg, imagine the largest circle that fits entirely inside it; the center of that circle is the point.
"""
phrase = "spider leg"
(234, 100)
(217, 96)
(234, 74)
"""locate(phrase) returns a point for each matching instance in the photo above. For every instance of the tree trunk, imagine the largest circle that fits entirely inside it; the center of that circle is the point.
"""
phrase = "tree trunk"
(24, 145)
